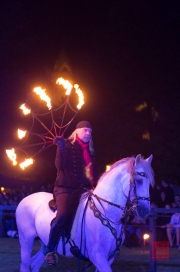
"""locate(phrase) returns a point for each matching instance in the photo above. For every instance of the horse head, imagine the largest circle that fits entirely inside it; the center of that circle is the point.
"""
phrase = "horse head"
(142, 177)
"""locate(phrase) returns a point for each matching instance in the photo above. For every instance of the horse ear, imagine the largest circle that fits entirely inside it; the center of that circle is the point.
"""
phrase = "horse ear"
(149, 159)
(137, 159)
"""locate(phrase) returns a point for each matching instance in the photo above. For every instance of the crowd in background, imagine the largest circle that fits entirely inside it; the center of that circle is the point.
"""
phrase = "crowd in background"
(163, 195)
(12, 197)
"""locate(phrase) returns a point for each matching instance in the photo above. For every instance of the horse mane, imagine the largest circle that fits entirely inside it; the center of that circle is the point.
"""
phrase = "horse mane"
(130, 168)
(129, 161)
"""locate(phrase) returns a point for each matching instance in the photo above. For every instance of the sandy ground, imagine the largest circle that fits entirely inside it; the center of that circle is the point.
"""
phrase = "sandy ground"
(130, 260)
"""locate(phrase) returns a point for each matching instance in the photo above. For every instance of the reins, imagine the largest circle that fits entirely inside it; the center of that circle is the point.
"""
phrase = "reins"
(106, 222)
(104, 200)
(133, 203)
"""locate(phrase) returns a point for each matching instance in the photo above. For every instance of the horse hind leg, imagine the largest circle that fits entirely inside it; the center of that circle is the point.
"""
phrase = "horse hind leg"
(38, 259)
(26, 249)
(27, 235)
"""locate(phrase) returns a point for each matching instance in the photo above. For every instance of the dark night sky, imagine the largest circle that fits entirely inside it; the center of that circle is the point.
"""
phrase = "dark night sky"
(122, 53)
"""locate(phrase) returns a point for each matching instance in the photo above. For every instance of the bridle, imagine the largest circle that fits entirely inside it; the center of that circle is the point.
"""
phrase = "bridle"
(132, 202)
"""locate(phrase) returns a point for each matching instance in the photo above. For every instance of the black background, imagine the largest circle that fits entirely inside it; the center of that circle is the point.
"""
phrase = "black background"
(122, 54)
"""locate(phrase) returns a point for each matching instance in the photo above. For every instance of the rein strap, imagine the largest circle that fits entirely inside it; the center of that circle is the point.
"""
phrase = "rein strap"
(110, 203)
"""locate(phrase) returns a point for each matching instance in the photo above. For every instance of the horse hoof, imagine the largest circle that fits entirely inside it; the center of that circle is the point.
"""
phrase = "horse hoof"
(51, 258)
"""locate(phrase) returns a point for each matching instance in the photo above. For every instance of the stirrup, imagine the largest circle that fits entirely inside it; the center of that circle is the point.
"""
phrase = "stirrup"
(51, 258)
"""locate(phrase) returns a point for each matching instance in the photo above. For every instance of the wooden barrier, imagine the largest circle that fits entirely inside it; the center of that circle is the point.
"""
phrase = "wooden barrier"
(3, 210)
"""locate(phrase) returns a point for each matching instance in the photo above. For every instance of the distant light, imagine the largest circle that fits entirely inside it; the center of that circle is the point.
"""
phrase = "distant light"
(141, 107)
(146, 236)
(3, 190)
(108, 167)
(154, 114)
(146, 136)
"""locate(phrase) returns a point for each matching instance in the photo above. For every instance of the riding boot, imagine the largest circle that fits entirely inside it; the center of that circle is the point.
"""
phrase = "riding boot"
(50, 250)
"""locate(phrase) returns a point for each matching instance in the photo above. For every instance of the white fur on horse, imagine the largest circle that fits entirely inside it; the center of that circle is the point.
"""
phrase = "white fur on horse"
(77, 216)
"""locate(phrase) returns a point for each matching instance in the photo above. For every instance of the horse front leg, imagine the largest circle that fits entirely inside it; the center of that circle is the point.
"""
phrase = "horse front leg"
(102, 264)
(38, 259)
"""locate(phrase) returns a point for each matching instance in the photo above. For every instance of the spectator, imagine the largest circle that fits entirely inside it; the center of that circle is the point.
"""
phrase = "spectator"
(31, 190)
(168, 190)
(177, 200)
(43, 188)
(162, 200)
(50, 188)
(24, 191)
(155, 193)
(135, 230)
(162, 222)
(173, 229)
(1, 198)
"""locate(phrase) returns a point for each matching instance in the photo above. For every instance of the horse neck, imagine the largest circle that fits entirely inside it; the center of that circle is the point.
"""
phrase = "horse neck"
(112, 188)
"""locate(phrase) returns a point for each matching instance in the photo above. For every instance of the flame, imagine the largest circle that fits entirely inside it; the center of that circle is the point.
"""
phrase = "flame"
(21, 133)
(26, 163)
(12, 155)
(66, 84)
(2, 189)
(43, 96)
(80, 95)
(25, 109)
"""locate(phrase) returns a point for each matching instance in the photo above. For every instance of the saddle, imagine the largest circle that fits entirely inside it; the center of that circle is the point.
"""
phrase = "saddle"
(73, 248)
(52, 205)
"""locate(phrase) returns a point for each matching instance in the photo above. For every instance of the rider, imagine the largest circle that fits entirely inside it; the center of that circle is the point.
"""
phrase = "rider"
(77, 169)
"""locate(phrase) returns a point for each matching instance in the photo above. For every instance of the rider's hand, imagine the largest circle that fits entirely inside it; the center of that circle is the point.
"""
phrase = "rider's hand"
(59, 140)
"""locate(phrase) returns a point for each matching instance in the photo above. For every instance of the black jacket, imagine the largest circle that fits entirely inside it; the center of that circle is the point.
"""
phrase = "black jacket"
(70, 165)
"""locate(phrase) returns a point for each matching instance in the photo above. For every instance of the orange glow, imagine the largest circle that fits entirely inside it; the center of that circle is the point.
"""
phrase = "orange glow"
(12, 155)
(146, 136)
(41, 92)
(21, 133)
(25, 109)
(154, 114)
(141, 107)
(26, 163)
(66, 84)
(80, 95)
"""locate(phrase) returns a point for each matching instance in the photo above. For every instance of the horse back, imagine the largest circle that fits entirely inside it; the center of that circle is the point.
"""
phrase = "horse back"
(32, 212)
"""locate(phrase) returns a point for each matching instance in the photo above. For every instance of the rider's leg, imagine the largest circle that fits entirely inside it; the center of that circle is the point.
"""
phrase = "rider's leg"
(67, 200)
(54, 236)
(62, 202)
(72, 208)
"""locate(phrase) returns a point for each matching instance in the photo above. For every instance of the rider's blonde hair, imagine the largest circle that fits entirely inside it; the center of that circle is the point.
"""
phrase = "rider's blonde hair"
(72, 138)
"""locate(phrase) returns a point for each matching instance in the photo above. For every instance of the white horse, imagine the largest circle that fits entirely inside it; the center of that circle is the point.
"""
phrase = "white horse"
(101, 233)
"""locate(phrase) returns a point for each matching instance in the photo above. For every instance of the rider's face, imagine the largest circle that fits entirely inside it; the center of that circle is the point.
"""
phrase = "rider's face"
(84, 134)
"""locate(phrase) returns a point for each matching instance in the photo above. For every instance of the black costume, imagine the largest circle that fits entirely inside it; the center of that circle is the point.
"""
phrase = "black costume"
(70, 183)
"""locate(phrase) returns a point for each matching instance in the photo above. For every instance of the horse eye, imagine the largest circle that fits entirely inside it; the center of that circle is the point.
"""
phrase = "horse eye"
(140, 181)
